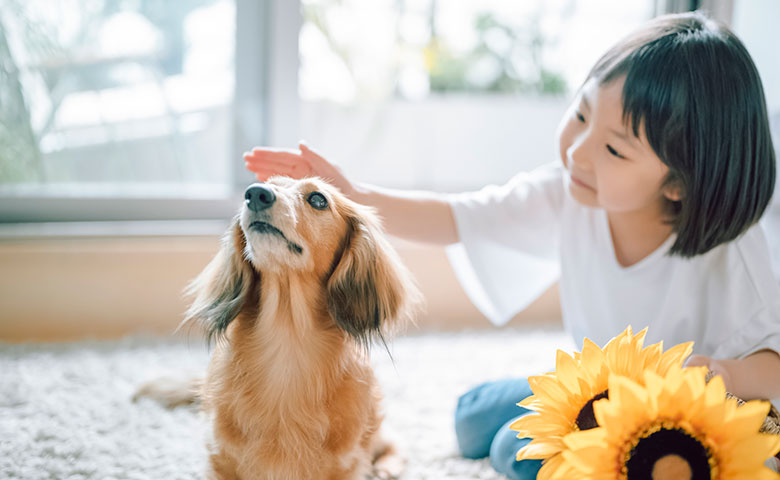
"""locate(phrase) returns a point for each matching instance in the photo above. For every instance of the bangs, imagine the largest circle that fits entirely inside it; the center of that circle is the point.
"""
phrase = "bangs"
(658, 79)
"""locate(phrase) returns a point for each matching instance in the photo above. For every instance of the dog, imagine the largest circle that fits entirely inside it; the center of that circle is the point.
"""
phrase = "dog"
(303, 283)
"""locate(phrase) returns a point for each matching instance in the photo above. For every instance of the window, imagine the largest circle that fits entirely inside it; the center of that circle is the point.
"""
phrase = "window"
(125, 109)
(140, 109)
(447, 94)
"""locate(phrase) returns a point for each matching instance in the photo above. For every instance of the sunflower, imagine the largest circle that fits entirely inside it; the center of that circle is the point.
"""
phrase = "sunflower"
(673, 426)
(563, 400)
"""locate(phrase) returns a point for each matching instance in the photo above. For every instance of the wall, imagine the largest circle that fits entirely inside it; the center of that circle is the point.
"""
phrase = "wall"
(443, 143)
(72, 288)
(755, 22)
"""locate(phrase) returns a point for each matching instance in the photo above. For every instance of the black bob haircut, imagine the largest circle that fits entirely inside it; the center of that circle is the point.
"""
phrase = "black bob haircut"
(692, 85)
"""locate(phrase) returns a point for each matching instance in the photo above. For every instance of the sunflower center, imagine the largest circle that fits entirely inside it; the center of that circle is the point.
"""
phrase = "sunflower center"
(665, 451)
(586, 419)
(671, 467)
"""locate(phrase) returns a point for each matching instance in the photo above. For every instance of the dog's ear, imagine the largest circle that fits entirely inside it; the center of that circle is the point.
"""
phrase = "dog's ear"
(369, 289)
(224, 287)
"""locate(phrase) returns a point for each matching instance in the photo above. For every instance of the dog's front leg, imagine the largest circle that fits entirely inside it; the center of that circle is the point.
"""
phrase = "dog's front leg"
(388, 462)
(222, 467)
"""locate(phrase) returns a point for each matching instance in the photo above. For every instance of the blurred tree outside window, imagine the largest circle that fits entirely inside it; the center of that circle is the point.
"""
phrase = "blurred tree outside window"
(369, 50)
(115, 94)
(135, 97)
(448, 95)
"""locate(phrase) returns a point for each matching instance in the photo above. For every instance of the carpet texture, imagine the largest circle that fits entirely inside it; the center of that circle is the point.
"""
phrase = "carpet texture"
(66, 413)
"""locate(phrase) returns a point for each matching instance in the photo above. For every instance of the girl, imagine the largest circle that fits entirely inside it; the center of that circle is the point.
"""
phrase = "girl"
(649, 218)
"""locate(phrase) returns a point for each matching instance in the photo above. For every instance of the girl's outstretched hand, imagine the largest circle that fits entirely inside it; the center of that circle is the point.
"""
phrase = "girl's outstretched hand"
(265, 162)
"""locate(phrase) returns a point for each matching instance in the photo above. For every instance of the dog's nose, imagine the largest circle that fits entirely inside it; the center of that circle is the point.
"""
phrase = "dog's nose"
(259, 197)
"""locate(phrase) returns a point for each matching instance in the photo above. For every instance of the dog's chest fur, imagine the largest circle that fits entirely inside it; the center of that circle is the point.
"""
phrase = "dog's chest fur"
(288, 391)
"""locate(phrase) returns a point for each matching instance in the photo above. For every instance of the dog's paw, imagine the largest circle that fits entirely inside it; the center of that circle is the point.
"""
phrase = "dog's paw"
(389, 467)
(170, 392)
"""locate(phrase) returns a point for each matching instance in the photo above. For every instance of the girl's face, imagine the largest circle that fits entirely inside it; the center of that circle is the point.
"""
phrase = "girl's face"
(608, 166)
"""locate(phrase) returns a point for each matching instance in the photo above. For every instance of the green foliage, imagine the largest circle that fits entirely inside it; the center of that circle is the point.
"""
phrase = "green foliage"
(20, 157)
(455, 71)
(41, 43)
(451, 73)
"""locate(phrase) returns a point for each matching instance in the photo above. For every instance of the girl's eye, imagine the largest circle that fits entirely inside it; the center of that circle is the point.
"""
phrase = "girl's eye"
(317, 200)
(614, 152)
(580, 117)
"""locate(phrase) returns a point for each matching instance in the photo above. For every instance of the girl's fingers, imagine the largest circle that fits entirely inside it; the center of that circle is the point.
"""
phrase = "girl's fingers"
(305, 150)
(271, 163)
(263, 155)
(299, 170)
(296, 169)
(266, 162)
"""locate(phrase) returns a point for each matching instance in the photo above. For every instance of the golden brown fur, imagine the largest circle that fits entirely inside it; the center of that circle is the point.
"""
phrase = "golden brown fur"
(289, 387)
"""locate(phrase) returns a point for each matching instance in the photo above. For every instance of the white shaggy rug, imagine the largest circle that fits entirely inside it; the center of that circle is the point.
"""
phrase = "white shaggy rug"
(66, 410)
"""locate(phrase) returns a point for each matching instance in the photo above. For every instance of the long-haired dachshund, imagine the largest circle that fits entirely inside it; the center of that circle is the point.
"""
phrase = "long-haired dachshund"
(303, 283)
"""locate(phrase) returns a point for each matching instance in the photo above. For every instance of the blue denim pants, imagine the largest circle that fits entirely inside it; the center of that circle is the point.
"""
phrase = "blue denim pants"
(482, 420)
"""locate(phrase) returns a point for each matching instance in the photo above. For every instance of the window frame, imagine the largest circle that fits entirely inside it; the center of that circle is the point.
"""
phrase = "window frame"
(264, 112)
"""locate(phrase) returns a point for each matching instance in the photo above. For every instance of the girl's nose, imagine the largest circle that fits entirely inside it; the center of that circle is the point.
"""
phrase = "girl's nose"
(579, 153)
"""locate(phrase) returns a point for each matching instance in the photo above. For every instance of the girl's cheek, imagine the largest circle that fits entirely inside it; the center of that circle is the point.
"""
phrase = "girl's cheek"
(563, 147)
(565, 140)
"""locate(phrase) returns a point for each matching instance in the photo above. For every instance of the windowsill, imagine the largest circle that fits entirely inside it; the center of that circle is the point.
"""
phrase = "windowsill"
(110, 209)
(133, 229)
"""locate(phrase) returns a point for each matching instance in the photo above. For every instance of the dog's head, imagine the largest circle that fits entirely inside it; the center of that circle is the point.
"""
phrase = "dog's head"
(306, 228)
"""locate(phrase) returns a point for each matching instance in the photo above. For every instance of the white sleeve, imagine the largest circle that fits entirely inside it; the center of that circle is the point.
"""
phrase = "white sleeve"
(752, 320)
(509, 251)
(761, 332)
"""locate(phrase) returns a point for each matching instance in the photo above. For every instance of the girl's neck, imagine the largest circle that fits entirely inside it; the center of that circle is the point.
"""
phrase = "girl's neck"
(635, 235)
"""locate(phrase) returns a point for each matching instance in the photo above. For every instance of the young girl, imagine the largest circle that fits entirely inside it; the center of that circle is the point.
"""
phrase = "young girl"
(649, 219)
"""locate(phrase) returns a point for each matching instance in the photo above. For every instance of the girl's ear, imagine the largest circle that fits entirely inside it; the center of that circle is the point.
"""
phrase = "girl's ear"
(369, 288)
(672, 190)
(223, 288)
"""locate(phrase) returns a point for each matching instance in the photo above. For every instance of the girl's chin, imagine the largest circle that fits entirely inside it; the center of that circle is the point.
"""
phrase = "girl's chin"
(583, 196)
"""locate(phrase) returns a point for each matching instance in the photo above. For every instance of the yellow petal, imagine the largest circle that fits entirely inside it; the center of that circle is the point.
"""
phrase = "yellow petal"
(539, 449)
(567, 371)
(592, 359)
(754, 450)
(547, 388)
(748, 418)
(535, 426)
(675, 356)
(651, 355)
(554, 467)
(626, 392)
(585, 438)
(586, 461)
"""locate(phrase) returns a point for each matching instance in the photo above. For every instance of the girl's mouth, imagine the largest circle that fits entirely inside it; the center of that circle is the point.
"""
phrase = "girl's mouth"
(580, 183)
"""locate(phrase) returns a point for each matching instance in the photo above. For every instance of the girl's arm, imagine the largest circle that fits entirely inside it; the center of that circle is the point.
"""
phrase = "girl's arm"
(419, 216)
(756, 376)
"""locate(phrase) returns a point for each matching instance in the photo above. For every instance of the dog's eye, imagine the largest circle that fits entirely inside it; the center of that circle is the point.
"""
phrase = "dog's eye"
(317, 200)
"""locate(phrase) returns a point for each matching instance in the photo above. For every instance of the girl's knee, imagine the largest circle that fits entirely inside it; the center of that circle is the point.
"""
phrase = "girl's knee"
(503, 451)
(471, 429)
(483, 410)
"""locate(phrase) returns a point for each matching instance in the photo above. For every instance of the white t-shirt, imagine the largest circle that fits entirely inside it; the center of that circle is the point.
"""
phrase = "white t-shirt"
(517, 239)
